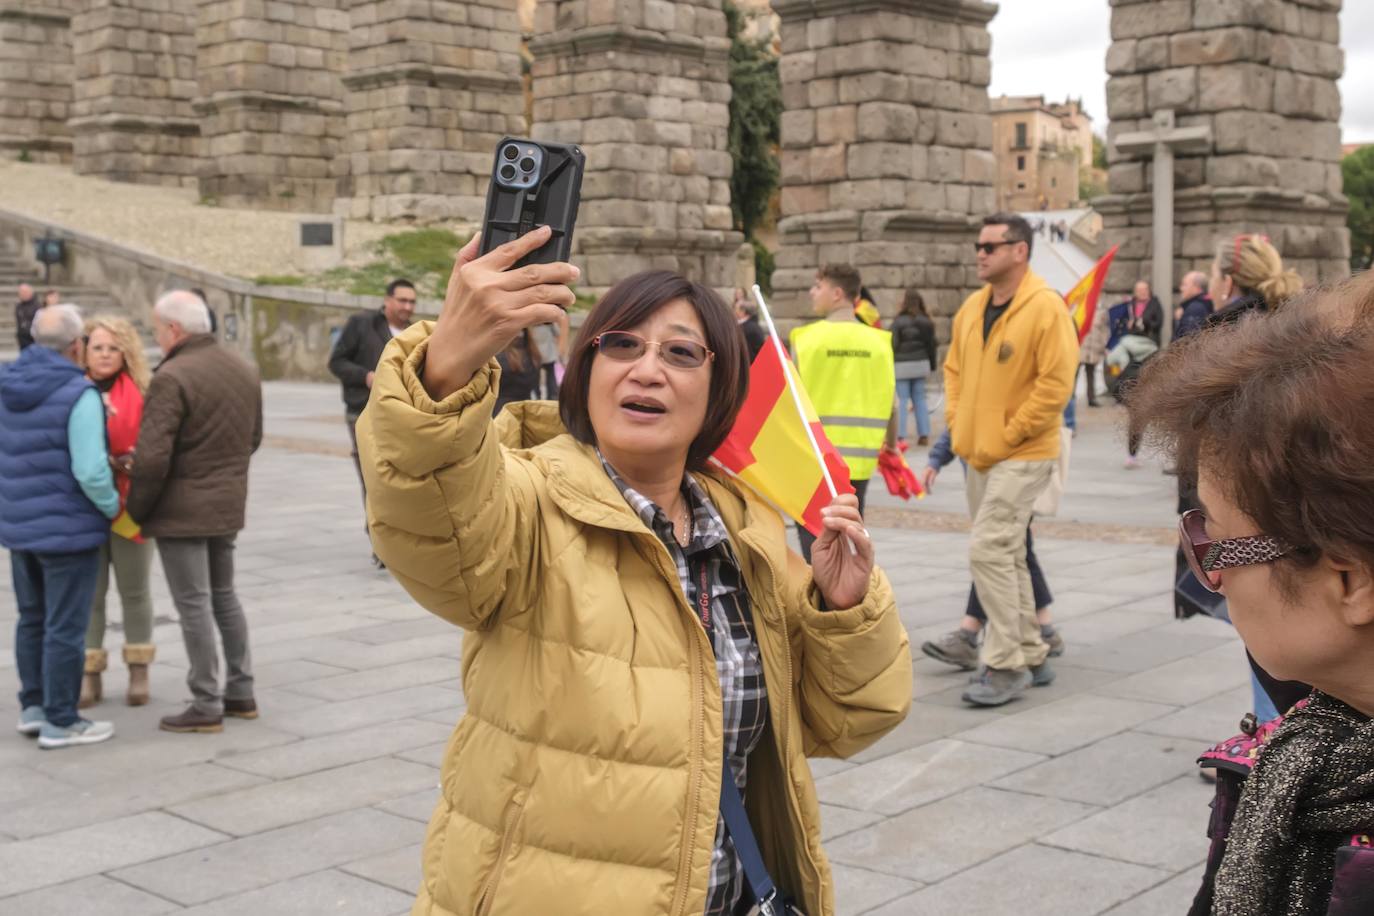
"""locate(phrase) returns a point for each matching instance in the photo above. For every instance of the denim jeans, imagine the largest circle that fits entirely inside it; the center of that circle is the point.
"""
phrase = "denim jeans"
(53, 592)
(912, 391)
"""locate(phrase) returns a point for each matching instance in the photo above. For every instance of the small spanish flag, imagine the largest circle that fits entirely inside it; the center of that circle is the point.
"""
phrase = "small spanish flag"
(768, 447)
(1084, 296)
(126, 527)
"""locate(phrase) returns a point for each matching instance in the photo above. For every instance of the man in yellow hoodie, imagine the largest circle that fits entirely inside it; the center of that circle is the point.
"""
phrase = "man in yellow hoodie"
(1008, 376)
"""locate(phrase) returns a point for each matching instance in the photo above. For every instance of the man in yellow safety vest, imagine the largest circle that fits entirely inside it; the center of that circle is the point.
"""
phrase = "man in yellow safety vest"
(846, 368)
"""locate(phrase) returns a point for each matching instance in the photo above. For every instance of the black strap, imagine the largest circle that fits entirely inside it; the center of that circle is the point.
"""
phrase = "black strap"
(746, 847)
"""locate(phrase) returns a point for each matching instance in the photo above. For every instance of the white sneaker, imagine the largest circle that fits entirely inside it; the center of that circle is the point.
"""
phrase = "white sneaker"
(82, 731)
(31, 720)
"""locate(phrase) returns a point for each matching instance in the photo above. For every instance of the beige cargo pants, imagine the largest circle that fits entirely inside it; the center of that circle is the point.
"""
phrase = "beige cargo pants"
(1000, 502)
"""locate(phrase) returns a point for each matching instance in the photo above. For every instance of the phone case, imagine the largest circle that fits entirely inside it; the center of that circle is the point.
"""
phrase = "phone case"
(512, 212)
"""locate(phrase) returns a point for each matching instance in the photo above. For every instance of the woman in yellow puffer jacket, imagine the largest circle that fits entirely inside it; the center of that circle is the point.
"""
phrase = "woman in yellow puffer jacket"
(572, 545)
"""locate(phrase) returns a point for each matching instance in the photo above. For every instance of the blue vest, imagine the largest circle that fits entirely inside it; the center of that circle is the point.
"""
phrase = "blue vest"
(42, 507)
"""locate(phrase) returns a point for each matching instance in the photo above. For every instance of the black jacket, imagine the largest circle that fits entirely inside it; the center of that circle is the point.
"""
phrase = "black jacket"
(754, 335)
(23, 319)
(357, 353)
(1196, 311)
(913, 339)
(1152, 321)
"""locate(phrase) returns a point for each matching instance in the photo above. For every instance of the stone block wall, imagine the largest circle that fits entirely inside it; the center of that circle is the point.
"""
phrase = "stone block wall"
(270, 100)
(642, 87)
(1262, 76)
(135, 66)
(886, 146)
(36, 79)
(431, 88)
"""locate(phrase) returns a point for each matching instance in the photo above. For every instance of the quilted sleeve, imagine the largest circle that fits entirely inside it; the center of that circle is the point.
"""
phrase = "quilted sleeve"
(452, 514)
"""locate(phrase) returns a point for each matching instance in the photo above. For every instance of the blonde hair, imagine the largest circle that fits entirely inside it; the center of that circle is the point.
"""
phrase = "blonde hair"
(1254, 264)
(127, 339)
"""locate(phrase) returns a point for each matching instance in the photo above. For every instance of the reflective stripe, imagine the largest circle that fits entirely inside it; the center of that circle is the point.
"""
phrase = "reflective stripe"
(849, 451)
(864, 422)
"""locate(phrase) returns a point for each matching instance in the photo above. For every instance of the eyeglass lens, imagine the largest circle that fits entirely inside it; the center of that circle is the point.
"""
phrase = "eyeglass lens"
(678, 352)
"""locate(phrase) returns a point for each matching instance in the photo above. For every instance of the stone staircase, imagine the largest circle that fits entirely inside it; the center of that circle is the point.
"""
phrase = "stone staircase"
(15, 270)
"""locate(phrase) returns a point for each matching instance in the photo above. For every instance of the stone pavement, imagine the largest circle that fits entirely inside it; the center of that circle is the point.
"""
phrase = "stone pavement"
(1080, 799)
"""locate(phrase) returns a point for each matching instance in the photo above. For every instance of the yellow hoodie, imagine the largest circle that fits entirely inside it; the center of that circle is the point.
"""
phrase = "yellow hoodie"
(1005, 398)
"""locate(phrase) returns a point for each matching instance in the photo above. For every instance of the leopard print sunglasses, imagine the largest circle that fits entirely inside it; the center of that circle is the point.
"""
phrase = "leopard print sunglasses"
(1207, 558)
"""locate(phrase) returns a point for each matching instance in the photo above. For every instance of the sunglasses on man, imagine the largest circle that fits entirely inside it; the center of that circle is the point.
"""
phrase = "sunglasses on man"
(1207, 558)
(990, 247)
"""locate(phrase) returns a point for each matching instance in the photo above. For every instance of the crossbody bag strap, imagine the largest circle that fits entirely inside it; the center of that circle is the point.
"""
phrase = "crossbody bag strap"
(746, 847)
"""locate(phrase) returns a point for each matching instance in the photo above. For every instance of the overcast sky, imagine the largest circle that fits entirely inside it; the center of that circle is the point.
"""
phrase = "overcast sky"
(1061, 53)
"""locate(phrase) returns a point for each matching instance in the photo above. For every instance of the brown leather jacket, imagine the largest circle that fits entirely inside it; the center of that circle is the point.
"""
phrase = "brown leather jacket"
(202, 419)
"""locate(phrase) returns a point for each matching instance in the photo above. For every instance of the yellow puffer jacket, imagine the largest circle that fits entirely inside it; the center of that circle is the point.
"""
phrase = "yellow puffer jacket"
(584, 777)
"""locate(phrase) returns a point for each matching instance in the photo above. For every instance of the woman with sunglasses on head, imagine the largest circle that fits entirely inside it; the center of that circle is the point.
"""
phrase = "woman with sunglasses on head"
(1274, 418)
(636, 624)
(115, 362)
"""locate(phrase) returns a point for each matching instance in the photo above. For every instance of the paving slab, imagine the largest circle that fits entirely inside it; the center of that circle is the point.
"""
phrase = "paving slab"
(312, 754)
(93, 896)
(332, 892)
(858, 890)
(1064, 725)
(1108, 772)
(399, 869)
(1165, 827)
(1170, 898)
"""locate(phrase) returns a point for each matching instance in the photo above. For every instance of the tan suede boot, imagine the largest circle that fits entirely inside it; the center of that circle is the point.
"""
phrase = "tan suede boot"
(96, 660)
(138, 656)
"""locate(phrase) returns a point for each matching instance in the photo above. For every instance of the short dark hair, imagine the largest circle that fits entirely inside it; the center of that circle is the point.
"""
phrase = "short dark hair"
(1277, 407)
(628, 304)
(844, 276)
(399, 283)
(1018, 230)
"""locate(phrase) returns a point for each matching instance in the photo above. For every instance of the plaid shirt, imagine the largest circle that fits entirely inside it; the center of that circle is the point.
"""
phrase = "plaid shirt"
(744, 697)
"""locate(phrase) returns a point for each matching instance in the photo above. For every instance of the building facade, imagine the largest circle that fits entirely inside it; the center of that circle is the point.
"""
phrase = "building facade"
(1041, 150)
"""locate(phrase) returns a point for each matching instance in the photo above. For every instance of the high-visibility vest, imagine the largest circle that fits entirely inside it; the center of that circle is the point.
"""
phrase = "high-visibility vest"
(846, 368)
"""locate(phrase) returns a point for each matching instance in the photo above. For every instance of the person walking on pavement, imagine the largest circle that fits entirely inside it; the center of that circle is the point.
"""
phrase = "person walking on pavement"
(115, 362)
(354, 360)
(747, 314)
(202, 421)
(1196, 307)
(959, 647)
(57, 498)
(24, 310)
(913, 353)
(628, 609)
(1008, 377)
(847, 370)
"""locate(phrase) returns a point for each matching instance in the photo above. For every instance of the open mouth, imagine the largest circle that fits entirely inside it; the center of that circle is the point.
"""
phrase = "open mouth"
(646, 406)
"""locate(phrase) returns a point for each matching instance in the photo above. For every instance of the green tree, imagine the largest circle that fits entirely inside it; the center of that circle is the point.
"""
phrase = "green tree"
(1099, 152)
(755, 131)
(1358, 172)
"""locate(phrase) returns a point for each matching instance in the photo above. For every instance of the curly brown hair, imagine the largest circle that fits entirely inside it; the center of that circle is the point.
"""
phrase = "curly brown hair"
(1278, 407)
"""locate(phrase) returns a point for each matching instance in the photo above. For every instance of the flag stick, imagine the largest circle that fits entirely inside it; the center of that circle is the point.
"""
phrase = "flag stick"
(792, 386)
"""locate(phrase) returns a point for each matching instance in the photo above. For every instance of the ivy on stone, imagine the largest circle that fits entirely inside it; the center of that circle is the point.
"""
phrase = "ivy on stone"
(755, 131)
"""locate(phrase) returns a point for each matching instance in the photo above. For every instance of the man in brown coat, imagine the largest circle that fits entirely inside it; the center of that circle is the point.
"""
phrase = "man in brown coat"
(202, 419)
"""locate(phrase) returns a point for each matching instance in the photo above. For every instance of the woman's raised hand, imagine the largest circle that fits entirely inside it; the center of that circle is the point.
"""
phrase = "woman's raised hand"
(841, 574)
(487, 304)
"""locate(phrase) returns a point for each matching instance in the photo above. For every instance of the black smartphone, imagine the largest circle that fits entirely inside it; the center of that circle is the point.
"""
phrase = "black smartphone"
(533, 184)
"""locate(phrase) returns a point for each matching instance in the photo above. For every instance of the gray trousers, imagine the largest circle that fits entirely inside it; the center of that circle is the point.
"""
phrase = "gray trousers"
(200, 575)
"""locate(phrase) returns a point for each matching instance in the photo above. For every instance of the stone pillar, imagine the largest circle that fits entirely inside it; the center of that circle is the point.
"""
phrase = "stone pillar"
(642, 86)
(431, 88)
(35, 79)
(270, 101)
(886, 146)
(135, 66)
(1262, 76)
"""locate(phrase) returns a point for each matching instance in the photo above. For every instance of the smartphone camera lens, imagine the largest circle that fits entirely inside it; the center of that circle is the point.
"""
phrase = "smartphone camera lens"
(510, 152)
(508, 172)
(527, 164)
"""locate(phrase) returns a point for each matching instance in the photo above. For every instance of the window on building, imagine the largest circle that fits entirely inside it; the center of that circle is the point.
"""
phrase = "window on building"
(1020, 134)
(1054, 182)
(1020, 186)
(1020, 163)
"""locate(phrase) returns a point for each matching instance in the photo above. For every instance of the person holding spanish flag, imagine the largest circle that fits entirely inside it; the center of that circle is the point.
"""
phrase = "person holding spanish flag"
(642, 649)
(115, 363)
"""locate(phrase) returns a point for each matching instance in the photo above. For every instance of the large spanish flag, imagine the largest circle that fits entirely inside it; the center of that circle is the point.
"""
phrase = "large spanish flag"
(1084, 296)
(769, 450)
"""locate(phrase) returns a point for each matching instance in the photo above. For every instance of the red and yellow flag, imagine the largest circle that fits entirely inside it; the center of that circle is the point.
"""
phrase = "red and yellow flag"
(1083, 298)
(769, 450)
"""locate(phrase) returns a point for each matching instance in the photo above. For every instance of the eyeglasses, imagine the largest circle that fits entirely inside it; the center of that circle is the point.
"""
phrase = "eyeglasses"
(678, 352)
(1207, 558)
(989, 247)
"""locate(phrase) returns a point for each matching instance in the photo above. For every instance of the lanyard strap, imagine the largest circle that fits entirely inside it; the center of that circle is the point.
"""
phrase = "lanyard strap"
(703, 595)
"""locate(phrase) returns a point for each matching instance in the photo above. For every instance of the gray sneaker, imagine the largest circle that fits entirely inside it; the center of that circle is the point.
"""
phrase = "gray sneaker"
(997, 686)
(1042, 675)
(1056, 643)
(82, 731)
(31, 720)
(953, 649)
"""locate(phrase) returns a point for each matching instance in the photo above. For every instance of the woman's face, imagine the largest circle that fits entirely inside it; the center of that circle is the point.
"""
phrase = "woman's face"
(1219, 286)
(646, 409)
(104, 359)
(1305, 639)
